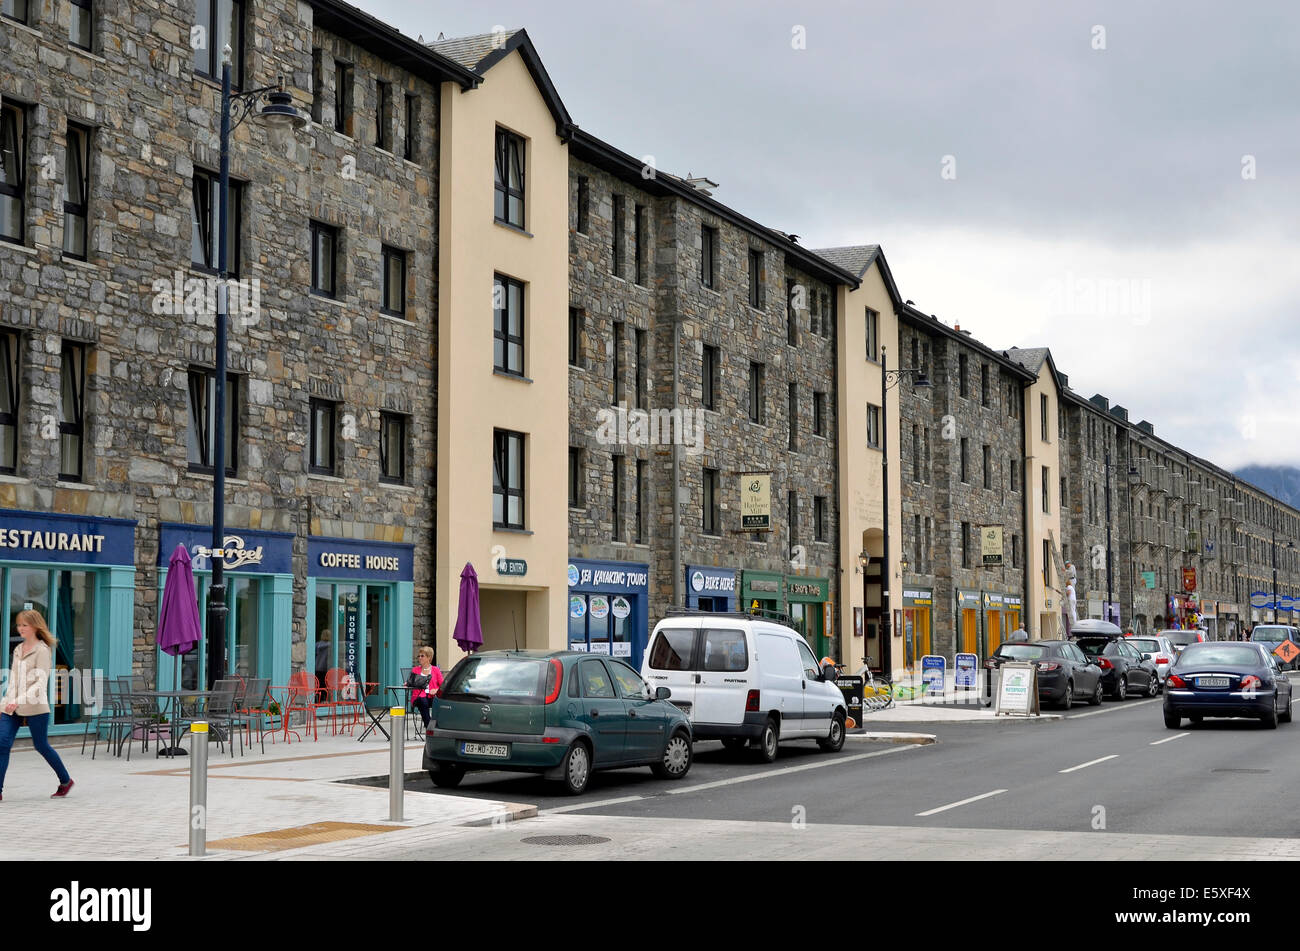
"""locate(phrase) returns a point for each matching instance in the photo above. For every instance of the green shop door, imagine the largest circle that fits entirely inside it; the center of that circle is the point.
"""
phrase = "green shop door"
(807, 598)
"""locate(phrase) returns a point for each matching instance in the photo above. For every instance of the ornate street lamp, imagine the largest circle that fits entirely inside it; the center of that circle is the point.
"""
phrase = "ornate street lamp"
(277, 112)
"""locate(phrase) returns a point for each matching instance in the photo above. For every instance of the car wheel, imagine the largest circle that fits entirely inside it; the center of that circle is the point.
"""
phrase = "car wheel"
(1067, 701)
(447, 775)
(834, 742)
(767, 741)
(733, 743)
(676, 759)
(1121, 687)
(1285, 715)
(1153, 688)
(577, 769)
(1270, 719)
(1173, 720)
(1095, 699)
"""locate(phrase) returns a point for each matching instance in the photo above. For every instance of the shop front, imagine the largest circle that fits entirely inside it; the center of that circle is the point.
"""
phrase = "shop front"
(967, 611)
(995, 631)
(918, 604)
(609, 608)
(710, 589)
(360, 610)
(762, 592)
(808, 604)
(79, 572)
(1012, 605)
(258, 634)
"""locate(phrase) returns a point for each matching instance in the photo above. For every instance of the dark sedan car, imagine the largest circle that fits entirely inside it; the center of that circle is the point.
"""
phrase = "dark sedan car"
(1124, 670)
(1227, 679)
(1064, 673)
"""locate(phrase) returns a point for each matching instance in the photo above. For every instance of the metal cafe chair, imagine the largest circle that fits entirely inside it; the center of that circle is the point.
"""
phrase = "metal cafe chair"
(114, 716)
(223, 713)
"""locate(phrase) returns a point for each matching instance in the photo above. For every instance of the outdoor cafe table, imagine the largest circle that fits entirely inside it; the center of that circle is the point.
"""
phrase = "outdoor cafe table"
(401, 694)
(376, 719)
(171, 709)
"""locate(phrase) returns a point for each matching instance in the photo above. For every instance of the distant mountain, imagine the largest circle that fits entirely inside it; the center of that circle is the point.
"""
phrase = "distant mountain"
(1281, 482)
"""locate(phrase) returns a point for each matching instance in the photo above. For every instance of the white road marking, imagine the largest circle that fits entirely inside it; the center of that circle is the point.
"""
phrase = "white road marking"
(745, 778)
(954, 805)
(1128, 705)
(1178, 736)
(1091, 762)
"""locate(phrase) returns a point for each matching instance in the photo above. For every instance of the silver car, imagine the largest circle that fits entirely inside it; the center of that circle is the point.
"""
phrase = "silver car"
(1159, 650)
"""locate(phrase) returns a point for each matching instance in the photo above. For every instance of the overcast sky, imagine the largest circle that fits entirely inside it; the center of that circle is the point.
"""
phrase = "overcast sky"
(1117, 181)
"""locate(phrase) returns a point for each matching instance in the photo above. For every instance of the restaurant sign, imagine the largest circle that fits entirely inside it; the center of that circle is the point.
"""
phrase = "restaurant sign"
(755, 501)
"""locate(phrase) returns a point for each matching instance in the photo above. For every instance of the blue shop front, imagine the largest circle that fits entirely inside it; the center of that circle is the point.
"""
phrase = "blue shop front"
(360, 610)
(710, 589)
(258, 635)
(609, 604)
(79, 572)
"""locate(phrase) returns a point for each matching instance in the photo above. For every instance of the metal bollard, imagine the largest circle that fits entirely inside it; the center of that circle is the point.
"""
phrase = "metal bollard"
(199, 788)
(396, 767)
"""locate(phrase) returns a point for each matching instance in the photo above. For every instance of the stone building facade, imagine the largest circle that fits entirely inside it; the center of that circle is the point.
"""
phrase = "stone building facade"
(360, 363)
(969, 412)
(654, 300)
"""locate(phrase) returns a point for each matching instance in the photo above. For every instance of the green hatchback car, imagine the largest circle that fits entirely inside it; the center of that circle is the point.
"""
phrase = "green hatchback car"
(563, 714)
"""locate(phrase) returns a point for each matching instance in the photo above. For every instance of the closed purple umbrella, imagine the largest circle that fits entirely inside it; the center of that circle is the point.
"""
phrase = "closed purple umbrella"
(178, 622)
(469, 629)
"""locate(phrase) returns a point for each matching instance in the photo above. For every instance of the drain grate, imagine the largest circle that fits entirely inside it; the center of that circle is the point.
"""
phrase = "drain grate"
(1241, 771)
(565, 840)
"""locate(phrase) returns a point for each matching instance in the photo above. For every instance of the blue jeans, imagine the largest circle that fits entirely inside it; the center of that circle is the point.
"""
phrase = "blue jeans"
(423, 704)
(40, 727)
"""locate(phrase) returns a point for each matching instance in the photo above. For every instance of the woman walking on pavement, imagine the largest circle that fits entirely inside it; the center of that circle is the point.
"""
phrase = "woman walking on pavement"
(25, 701)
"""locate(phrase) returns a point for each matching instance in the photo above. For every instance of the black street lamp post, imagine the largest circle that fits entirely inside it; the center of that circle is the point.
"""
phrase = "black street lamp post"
(888, 378)
(277, 111)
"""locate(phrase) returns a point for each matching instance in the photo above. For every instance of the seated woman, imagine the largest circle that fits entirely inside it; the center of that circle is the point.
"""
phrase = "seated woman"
(425, 681)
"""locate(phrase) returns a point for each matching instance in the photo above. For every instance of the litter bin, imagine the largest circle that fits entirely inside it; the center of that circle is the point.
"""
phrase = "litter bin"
(851, 687)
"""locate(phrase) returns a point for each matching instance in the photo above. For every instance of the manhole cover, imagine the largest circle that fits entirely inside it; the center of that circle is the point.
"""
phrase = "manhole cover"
(565, 840)
(1241, 770)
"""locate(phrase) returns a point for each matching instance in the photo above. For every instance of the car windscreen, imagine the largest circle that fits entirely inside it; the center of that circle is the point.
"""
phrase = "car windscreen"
(497, 680)
(1022, 652)
(1147, 645)
(1199, 655)
(1271, 635)
(1095, 646)
(1183, 637)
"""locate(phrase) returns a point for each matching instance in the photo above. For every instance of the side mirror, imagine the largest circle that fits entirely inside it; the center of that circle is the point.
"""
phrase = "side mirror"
(1146, 655)
(662, 693)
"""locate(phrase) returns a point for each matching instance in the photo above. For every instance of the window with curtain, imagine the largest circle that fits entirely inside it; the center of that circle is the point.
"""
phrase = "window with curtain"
(81, 29)
(509, 207)
(392, 448)
(322, 458)
(13, 172)
(508, 325)
(507, 479)
(72, 405)
(205, 223)
(201, 435)
(10, 394)
(76, 192)
(221, 22)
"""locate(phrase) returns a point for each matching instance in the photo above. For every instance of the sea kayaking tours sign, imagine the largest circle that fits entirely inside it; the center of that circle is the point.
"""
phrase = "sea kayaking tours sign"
(66, 539)
(612, 576)
(244, 550)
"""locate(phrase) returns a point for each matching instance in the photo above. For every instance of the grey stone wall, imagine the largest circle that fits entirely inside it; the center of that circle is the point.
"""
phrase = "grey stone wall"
(674, 301)
(155, 122)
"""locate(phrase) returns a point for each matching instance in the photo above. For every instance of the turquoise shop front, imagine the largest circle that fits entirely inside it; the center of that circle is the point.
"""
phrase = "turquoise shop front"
(79, 572)
(259, 594)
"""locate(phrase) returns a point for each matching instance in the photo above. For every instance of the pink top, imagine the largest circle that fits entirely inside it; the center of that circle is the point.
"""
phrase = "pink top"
(435, 683)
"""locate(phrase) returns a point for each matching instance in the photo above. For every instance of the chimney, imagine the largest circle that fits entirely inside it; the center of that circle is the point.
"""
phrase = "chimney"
(1146, 428)
(1100, 402)
(1119, 412)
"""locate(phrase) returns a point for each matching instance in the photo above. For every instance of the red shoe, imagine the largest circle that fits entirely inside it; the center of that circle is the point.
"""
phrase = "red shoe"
(63, 790)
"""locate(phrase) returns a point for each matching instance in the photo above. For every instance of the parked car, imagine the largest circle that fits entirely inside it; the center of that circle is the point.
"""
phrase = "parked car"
(1159, 650)
(1180, 639)
(1227, 679)
(563, 714)
(742, 679)
(1065, 674)
(1270, 637)
(1123, 669)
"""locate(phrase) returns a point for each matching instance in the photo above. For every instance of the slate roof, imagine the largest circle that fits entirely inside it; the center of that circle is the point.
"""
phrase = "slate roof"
(1031, 358)
(470, 51)
(855, 259)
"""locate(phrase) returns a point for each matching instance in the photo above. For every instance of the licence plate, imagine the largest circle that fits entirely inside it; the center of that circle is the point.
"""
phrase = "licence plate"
(1211, 681)
(485, 749)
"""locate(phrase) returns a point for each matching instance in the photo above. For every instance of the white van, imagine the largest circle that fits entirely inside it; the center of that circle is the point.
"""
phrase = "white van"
(743, 679)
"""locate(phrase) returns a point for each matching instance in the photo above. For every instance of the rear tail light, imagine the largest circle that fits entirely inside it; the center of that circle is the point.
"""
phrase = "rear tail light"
(1104, 664)
(553, 680)
(1162, 660)
(751, 702)
(1049, 666)
(1250, 683)
(1176, 681)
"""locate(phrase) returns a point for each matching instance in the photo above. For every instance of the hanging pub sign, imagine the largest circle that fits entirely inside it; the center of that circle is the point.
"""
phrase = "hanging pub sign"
(991, 545)
(1189, 579)
(755, 502)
